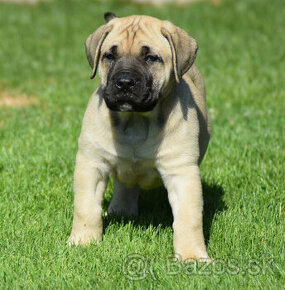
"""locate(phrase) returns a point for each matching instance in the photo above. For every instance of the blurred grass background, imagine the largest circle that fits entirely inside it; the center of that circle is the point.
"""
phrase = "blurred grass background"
(241, 56)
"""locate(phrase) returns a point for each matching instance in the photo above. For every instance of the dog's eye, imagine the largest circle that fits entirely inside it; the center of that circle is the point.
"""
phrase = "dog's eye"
(151, 58)
(108, 56)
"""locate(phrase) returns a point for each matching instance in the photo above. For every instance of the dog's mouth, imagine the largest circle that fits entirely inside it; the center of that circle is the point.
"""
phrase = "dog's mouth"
(130, 103)
(124, 107)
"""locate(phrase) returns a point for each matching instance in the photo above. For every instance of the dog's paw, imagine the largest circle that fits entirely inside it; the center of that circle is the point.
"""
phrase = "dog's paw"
(191, 257)
(83, 238)
(121, 209)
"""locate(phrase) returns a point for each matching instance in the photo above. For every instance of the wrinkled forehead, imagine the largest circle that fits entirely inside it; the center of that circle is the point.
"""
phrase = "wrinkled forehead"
(132, 34)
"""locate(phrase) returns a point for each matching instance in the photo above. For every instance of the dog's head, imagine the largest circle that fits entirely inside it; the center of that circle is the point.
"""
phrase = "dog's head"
(138, 57)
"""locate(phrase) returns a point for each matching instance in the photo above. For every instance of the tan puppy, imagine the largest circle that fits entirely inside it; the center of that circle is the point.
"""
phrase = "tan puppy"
(146, 125)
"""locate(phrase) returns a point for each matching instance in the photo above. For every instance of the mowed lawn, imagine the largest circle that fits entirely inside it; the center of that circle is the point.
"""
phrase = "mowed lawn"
(44, 75)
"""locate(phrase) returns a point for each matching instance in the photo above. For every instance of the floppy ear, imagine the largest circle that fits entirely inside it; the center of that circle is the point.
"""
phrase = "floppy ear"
(183, 48)
(93, 46)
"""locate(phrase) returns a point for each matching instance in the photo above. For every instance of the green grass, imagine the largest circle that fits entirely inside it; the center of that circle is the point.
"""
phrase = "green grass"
(242, 59)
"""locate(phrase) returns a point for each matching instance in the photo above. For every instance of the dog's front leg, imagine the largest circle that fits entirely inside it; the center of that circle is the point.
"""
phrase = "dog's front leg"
(89, 188)
(185, 197)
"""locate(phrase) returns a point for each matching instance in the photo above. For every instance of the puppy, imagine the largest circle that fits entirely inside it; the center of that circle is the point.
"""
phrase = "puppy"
(146, 125)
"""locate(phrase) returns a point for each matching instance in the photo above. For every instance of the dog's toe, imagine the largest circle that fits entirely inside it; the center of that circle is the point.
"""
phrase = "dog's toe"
(83, 238)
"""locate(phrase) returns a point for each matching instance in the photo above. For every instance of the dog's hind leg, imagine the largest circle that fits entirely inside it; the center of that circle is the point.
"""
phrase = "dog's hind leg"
(124, 201)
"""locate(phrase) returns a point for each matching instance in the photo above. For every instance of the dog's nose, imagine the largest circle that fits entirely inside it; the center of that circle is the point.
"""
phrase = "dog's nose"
(125, 83)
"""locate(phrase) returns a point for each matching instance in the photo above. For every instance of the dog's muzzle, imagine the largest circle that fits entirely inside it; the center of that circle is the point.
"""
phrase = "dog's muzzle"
(129, 90)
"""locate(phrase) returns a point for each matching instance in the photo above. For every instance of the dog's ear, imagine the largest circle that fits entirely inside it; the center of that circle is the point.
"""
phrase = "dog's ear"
(183, 48)
(109, 16)
(93, 46)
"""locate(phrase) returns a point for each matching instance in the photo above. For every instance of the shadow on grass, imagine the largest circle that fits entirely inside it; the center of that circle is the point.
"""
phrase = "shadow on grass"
(154, 209)
(213, 204)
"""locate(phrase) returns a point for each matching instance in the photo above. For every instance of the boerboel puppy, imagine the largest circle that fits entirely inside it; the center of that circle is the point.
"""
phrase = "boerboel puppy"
(146, 125)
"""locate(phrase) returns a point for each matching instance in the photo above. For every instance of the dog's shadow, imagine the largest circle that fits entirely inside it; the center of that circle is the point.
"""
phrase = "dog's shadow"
(155, 211)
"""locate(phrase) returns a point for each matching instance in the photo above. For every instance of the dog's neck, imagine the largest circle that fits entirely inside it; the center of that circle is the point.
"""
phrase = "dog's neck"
(131, 127)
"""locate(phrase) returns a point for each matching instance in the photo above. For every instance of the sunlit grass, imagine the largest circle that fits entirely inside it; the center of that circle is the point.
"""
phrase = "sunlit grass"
(241, 57)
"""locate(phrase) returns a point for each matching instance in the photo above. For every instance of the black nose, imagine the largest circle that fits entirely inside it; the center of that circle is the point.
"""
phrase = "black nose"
(125, 83)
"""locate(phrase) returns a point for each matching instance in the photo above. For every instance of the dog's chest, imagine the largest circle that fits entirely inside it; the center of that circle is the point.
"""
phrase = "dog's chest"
(135, 138)
(135, 147)
(131, 130)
